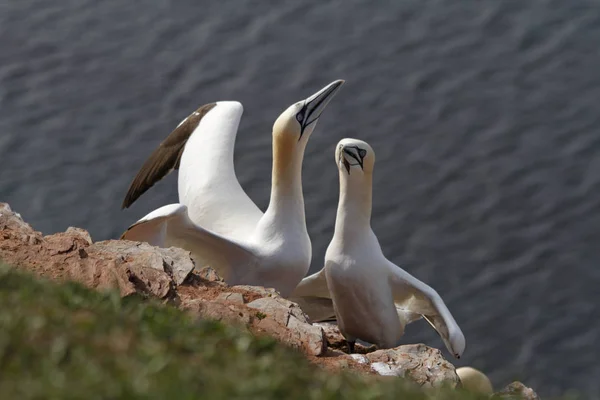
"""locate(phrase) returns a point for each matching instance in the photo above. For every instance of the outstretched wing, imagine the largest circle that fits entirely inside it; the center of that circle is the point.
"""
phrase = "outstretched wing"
(166, 157)
(416, 297)
(208, 183)
(170, 226)
(313, 297)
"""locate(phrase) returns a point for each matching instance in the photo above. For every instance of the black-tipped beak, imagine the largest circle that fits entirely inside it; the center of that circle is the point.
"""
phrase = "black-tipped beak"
(316, 103)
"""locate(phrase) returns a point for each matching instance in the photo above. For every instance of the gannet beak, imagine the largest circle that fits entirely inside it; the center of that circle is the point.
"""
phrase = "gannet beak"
(356, 156)
(316, 103)
(345, 163)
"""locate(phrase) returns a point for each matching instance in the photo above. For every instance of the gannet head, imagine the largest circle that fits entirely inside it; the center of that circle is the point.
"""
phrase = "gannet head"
(299, 120)
(354, 156)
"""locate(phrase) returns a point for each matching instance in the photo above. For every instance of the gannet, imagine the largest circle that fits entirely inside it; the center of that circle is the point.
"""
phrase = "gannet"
(373, 299)
(215, 220)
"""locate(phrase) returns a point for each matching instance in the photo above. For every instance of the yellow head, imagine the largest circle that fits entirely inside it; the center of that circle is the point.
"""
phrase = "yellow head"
(299, 120)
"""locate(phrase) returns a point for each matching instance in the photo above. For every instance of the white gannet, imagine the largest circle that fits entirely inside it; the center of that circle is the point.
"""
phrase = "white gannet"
(373, 299)
(215, 220)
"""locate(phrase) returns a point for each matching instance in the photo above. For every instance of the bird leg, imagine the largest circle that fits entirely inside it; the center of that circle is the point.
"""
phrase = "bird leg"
(350, 346)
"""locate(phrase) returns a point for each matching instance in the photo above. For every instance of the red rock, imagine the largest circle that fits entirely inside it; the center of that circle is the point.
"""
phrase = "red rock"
(169, 274)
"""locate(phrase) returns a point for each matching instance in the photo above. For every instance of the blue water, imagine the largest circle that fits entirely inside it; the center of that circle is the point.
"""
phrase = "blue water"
(484, 116)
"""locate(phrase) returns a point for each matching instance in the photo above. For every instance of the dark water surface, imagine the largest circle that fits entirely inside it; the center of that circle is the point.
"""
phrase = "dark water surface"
(484, 116)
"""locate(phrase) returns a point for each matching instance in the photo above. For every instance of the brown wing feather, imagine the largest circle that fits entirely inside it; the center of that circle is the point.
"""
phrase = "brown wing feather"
(166, 157)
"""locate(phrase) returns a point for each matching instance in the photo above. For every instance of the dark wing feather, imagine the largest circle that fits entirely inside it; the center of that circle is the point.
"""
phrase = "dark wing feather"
(166, 157)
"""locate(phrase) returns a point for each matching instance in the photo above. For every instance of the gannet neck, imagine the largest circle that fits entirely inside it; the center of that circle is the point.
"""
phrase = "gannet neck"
(287, 200)
(355, 204)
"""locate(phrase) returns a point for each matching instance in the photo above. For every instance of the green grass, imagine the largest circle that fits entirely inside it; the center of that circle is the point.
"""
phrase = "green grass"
(61, 341)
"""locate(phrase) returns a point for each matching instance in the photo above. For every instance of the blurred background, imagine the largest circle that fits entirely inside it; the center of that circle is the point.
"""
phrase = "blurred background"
(483, 114)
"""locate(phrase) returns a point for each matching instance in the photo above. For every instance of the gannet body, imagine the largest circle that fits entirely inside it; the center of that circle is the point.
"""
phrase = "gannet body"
(373, 299)
(215, 219)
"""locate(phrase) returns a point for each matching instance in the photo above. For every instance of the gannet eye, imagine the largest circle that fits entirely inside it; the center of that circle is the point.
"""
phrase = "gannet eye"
(300, 117)
(362, 153)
